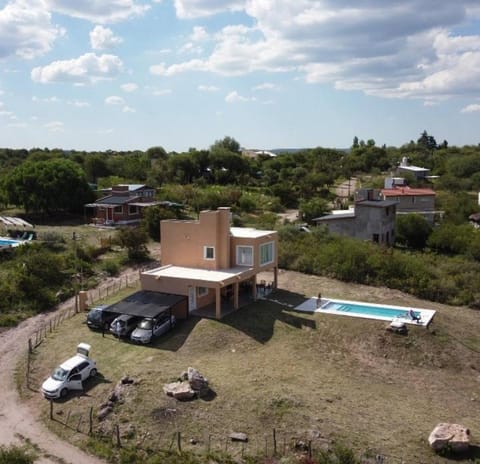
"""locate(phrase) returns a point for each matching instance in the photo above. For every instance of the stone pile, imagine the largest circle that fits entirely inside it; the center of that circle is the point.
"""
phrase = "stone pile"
(114, 397)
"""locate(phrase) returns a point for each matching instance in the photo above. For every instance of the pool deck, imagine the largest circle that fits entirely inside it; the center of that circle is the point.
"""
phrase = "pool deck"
(14, 242)
(313, 305)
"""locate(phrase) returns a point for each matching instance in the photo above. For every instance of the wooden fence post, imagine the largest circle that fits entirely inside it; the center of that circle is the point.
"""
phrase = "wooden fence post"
(51, 409)
(79, 422)
(68, 417)
(274, 442)
(30, 349)
(179, 441)
(117, 433)
(90, 425)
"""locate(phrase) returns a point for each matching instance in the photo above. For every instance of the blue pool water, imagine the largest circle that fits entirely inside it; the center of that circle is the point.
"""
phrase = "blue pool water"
(7, 242)
(390, 313)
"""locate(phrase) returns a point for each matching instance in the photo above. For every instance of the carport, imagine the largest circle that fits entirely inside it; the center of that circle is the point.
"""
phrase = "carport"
(151, 304)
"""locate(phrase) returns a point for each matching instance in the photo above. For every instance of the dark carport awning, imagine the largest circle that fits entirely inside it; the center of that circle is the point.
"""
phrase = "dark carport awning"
(146, 303)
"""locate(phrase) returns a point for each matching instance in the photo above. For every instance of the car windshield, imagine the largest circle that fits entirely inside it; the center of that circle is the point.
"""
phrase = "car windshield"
(120, 324)
(146, 324)
(59, 374)
(95, 315)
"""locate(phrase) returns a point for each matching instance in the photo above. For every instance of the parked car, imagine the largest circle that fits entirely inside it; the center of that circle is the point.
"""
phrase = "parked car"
(100, 318)
(149, 328)
(123, 325)
(70, 374)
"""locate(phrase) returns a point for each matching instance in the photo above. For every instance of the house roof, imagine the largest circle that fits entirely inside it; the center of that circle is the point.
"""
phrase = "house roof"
(407, 191)
(133, 187)
(212, 276)
(345, 214)
(250, 232)
(413, 168)
(146, 303)
(376, 203)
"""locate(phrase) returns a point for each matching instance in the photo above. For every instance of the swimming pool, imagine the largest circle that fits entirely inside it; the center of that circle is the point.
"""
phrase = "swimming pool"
(8, 242)
(380, 312)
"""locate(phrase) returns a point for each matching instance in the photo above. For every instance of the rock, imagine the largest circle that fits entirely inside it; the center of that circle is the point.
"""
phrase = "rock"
(238, 436)
(179, 390)
(197, 381)
(454, 437)
(125, 380)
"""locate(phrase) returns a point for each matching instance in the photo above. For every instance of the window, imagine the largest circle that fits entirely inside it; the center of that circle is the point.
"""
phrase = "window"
(118, 209)
(375, 238)
(267, 253)
(209, 252)
(132, 209)
(202, 291)
(244, 256)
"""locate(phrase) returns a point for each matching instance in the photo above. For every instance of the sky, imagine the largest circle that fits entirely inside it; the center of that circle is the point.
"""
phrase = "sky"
(133, 74)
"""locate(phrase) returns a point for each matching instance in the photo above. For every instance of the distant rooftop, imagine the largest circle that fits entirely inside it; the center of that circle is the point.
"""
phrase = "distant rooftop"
(249, 232)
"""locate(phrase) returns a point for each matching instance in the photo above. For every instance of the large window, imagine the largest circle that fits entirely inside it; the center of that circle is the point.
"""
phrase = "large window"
(244, 255)
(209, 252)
(267, 253)
(132, 209)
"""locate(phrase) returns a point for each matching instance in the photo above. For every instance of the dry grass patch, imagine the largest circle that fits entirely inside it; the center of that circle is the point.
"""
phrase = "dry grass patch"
(311, 376)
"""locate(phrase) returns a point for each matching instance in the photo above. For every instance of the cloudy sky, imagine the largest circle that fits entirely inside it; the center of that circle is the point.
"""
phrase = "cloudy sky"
(131, 74)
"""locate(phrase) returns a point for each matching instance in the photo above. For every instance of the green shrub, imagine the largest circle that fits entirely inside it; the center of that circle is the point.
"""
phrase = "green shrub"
(16, 455)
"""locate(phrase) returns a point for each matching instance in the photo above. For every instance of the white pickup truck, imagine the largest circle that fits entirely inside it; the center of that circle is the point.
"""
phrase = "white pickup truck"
(70, 374)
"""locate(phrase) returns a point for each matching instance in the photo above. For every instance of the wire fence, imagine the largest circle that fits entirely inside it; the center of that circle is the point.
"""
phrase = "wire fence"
(274, 443)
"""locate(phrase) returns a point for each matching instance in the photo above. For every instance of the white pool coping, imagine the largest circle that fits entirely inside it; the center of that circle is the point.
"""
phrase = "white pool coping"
(10, 245)
(314, 305)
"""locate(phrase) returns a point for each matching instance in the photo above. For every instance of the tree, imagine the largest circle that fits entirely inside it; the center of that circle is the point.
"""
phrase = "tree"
(227, 143)
(355, 142)
(48, 186)
(427, 141)
(412, 230)
(152, 218)
(312, 209)
(134, 239)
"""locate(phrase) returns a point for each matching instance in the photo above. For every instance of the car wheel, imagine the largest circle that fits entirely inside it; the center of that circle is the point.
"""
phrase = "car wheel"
(63, 392)
(93, 372)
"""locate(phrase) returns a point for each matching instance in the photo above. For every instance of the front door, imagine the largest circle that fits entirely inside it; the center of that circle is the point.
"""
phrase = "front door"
(192, 298)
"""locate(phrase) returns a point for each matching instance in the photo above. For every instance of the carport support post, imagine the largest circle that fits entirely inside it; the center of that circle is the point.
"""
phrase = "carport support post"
(235, 295)
(218, 303)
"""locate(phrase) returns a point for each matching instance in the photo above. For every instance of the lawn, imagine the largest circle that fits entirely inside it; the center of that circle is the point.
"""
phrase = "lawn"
(308, 376)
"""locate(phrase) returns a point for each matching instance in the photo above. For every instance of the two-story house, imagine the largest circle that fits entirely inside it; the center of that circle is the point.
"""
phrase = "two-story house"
(411, 200)
(123, 205)
(372, 218)
(209, 261)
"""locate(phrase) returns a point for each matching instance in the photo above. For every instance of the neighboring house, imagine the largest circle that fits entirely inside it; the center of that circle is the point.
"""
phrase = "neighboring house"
(416, 171)
(372, 218)
(123, 205)
(410, 200)
(209, 262)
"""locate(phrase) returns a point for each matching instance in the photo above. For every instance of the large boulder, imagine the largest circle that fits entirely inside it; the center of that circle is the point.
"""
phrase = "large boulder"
(449, 437)
(197, 381)
(179, 390)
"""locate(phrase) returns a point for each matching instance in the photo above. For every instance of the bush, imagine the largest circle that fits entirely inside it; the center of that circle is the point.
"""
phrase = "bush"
(15, 455)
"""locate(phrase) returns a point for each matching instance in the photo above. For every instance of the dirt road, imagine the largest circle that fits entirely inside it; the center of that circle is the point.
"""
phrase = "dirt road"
(19, 424)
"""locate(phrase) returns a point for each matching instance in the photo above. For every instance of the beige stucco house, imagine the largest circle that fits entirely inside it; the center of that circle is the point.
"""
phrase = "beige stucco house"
(209, 261)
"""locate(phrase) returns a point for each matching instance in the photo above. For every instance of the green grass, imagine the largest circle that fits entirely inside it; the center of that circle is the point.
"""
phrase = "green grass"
(309, 376)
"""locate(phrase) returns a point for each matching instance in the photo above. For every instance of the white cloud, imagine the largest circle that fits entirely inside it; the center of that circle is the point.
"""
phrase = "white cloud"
(102, 38)
(473, 108)
(128, 109)
(208, 88)
(188, 9)
(17, 125)
(199, 34)
(99, 11)
(6, 114)
(54, 126)
(53, 99)
(105, 131)
(129, 87)
(26, 30)
(114, 100)
(87, 68)
(235, 97)
(392, 49)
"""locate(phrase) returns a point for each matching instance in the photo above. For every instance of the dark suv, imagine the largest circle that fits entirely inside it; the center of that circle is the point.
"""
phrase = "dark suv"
(100, 318)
